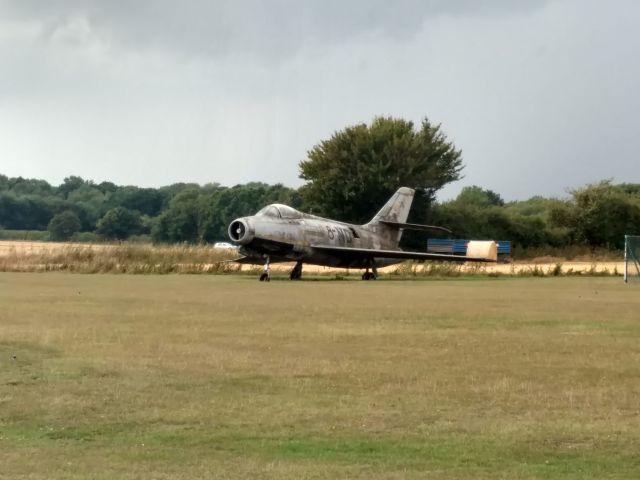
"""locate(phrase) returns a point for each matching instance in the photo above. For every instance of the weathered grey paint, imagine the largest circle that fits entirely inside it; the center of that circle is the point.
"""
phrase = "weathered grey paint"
(284, 235)
(301, 233)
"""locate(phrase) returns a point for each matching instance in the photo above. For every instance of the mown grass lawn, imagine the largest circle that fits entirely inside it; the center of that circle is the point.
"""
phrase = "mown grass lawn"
(181, 376)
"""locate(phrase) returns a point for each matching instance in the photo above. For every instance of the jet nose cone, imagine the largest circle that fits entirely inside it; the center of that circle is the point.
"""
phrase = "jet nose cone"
(240, 231)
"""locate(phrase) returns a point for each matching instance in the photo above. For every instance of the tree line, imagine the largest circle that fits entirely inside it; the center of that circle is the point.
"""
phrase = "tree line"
(348, 177)
(81, 209)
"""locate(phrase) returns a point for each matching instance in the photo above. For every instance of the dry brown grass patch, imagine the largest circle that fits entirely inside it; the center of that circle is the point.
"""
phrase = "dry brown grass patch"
(124, 258)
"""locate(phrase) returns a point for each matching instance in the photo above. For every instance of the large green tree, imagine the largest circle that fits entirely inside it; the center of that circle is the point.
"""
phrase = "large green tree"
(599, 215)
(179, 222)
(479, 196)
(352, 174)
(25, 212)
(63, 225)
(147, 201)
(119, 223)
(71, 184)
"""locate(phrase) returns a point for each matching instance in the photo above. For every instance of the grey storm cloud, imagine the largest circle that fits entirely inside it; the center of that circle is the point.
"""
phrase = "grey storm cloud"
(539, 95)
(271, 29)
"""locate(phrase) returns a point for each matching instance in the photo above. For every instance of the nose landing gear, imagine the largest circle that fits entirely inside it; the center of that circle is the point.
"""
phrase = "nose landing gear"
(264, 276)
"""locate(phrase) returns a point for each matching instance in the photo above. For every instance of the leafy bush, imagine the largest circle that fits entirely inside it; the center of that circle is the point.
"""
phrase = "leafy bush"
(32, 235)
(87, 237)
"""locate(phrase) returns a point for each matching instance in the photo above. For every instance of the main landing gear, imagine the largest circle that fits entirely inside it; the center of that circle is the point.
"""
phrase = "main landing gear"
(296, 273)
(370, 275)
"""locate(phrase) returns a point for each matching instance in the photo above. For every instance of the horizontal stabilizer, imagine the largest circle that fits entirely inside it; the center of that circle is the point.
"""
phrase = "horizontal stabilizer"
(415, 226)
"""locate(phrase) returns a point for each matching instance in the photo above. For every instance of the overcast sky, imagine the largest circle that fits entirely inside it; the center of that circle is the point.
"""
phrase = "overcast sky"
(539, 95)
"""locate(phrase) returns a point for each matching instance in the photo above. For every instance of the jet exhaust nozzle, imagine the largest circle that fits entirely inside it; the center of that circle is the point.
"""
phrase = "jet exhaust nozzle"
(240, 232)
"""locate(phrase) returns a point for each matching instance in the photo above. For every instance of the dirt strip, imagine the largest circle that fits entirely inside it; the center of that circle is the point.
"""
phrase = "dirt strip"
(26, 247)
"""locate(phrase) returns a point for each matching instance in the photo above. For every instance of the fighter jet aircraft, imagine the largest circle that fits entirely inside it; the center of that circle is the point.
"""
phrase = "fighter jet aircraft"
(279, 233)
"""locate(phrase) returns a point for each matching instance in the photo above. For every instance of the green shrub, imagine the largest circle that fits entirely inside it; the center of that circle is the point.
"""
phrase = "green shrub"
(32, 235)
(86, 237)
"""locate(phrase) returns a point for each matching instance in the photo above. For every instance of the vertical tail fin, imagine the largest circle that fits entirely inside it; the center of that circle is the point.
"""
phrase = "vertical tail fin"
(395, 210)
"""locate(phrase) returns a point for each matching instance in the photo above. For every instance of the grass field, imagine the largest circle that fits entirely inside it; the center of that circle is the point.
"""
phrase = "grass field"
(196, 376)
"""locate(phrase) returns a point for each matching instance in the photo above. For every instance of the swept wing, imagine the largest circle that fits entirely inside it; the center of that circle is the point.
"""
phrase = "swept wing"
(372, 253)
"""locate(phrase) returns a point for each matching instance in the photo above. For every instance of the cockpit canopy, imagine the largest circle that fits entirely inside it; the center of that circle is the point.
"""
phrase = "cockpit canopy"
(277, 210)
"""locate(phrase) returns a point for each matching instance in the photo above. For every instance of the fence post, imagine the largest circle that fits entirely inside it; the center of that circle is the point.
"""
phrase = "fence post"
(626, 246)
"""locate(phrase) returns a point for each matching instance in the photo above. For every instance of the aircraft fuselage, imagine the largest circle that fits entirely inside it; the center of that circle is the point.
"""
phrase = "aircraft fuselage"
(279, 233)
(289, 240)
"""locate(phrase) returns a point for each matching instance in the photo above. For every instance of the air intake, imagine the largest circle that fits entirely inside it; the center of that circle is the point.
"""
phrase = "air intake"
(239, 232)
